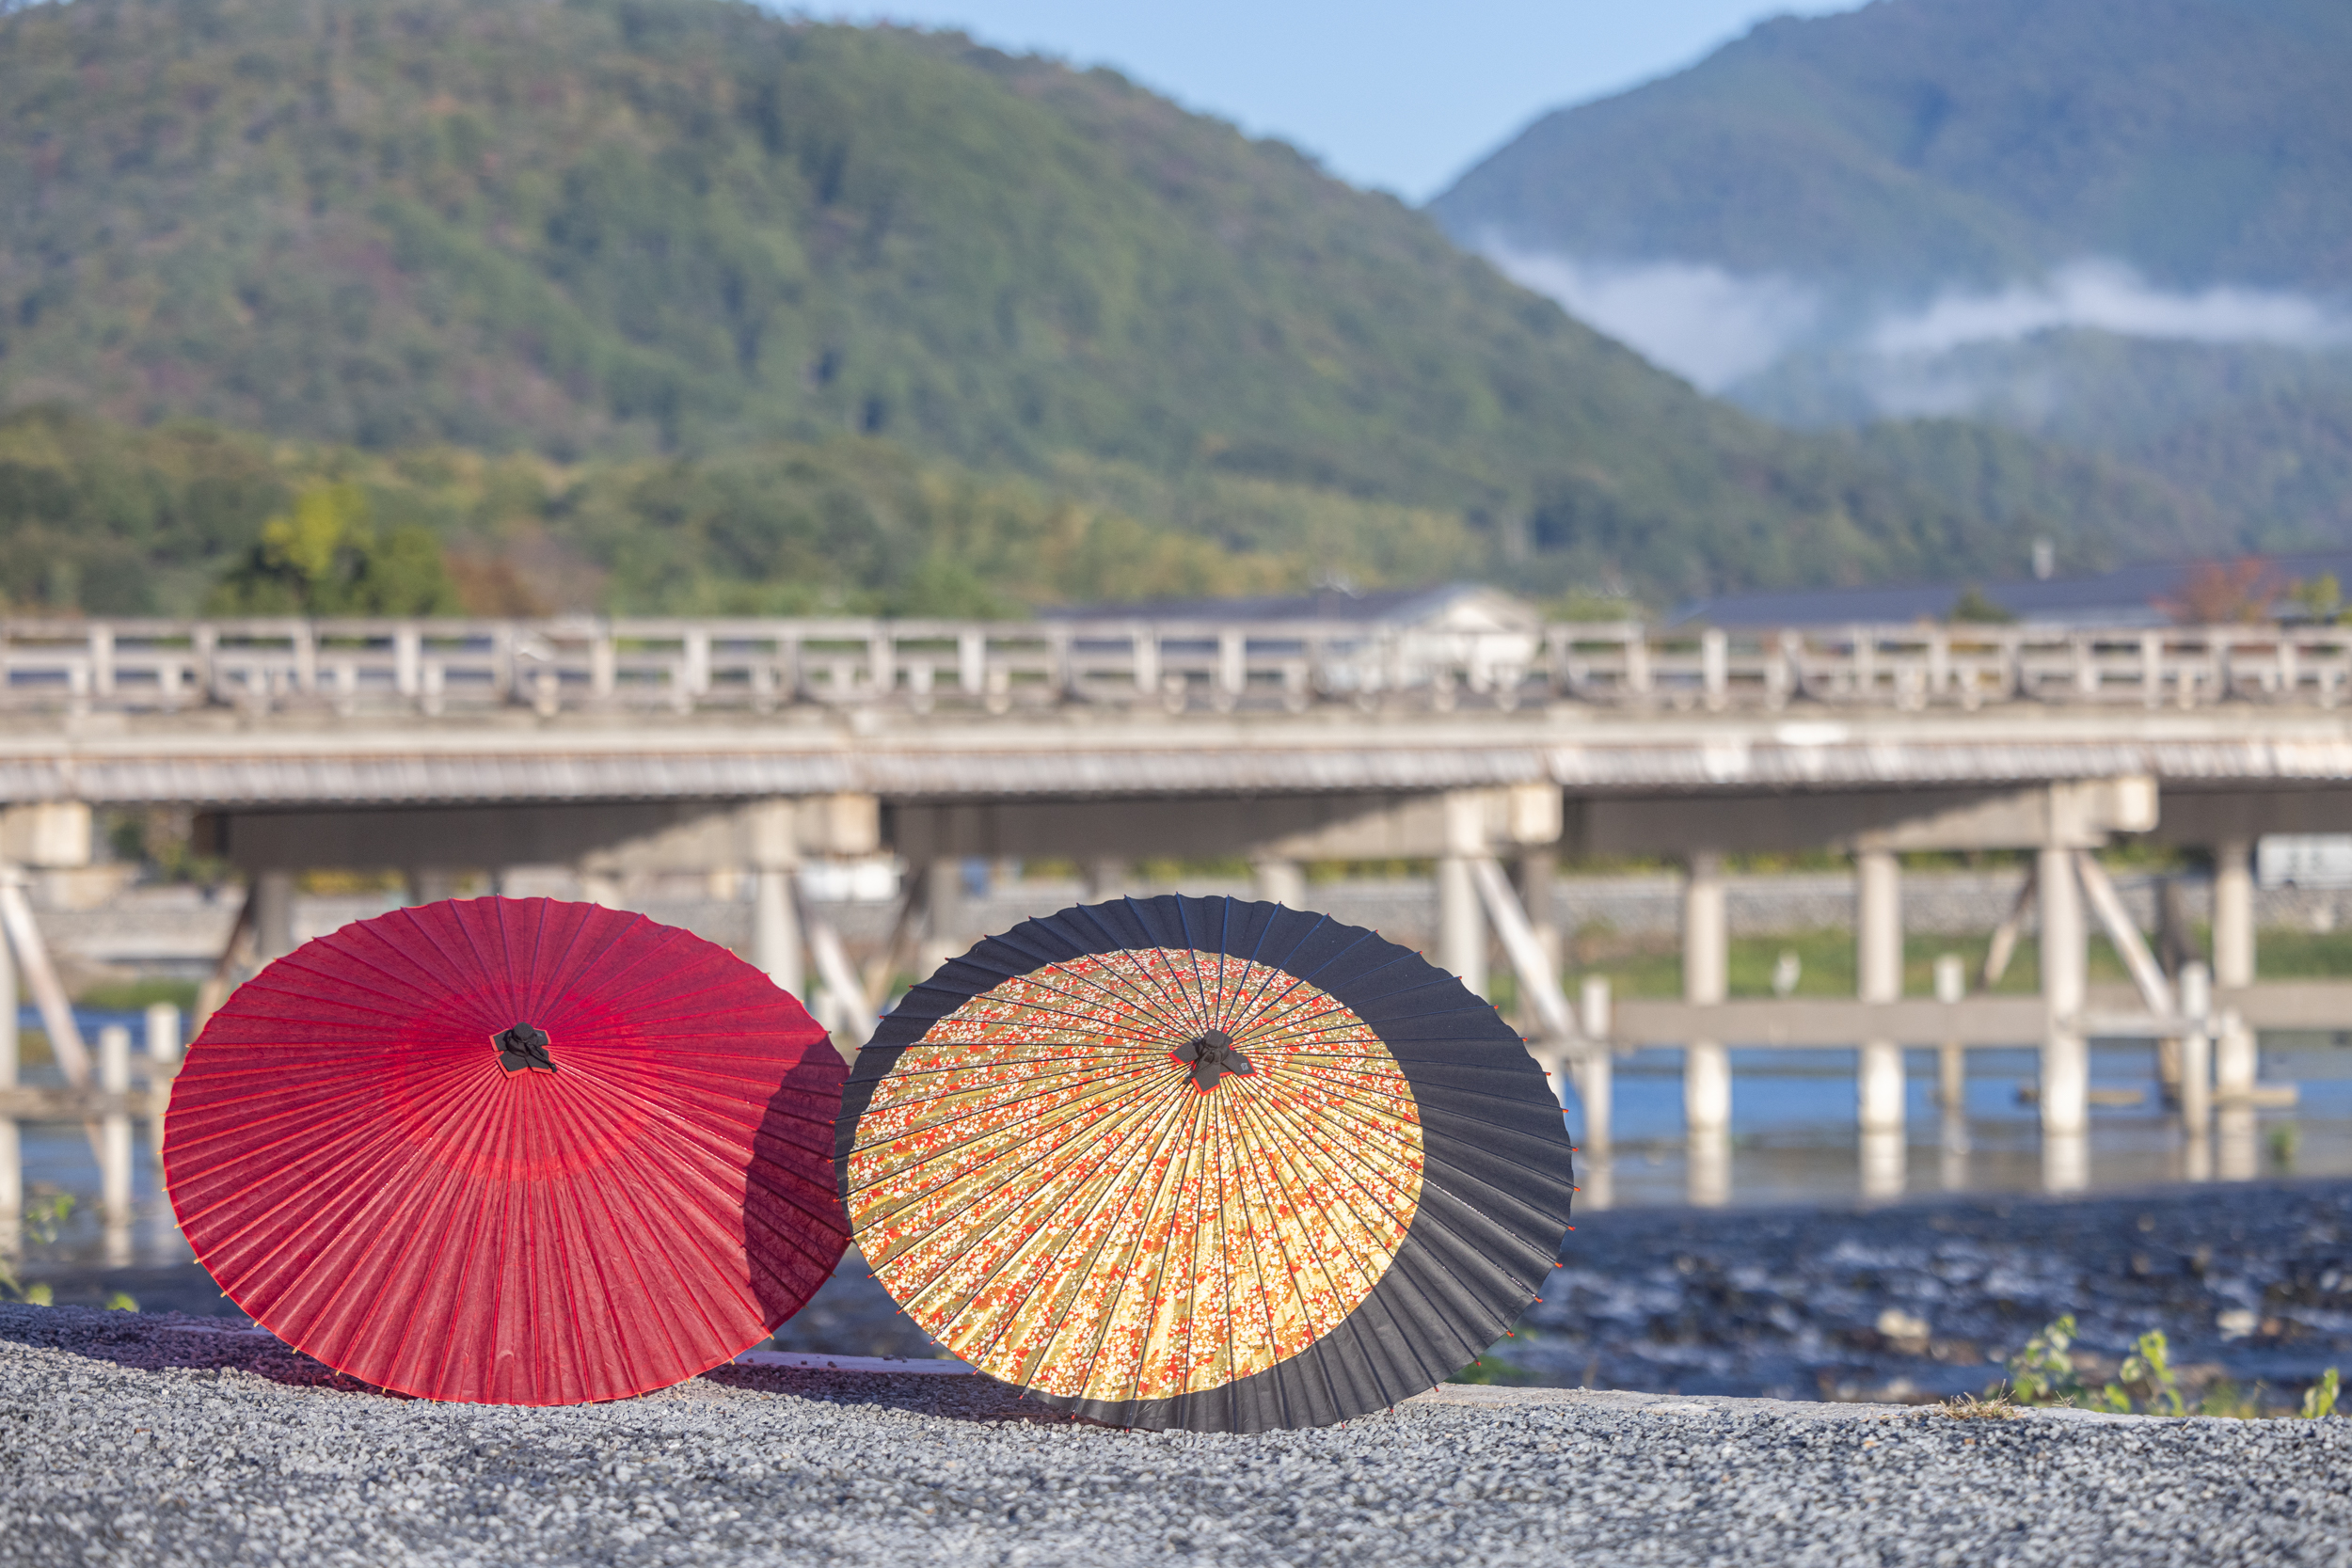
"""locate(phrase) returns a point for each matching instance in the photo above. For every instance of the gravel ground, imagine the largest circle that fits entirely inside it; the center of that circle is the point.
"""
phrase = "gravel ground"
(158, 1439)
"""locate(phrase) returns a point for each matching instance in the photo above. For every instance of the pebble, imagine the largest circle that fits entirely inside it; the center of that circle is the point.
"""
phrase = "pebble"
(159, 1439)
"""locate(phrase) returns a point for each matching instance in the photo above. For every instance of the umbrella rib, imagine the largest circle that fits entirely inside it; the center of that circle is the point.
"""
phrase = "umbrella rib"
(1159, 1127)
(1079, 1011)
(652, 1174)
(1306, 1139)
(1196, 998)
(1270, 1206)
(1105, 1108)
(960, 1141)
(1348, 1319)
(1061, 967)
(1301, 1157)
(1185, 1120)
(1138, 1121)
(1134, 1123)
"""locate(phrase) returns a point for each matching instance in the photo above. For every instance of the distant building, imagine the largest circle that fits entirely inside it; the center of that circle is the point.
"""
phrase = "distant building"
(2140, 595)
(1381, 640)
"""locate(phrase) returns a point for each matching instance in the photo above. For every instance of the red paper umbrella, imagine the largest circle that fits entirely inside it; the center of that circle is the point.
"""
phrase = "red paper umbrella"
(511, 1150)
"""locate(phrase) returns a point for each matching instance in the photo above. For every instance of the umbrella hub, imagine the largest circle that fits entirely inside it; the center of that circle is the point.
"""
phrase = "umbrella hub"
(521, 1046)
(1211, 1055)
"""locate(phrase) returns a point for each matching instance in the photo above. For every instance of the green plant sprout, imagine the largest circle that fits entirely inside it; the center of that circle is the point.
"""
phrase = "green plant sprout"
(2042, 1373)
(42, 1217)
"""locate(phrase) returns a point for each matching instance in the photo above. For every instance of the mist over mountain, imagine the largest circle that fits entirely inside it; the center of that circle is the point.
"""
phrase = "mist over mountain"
(2006, 210)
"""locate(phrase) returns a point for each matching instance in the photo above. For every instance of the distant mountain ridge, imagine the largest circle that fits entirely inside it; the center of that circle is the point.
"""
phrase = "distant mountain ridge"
(1918, 143)
(2122, 226)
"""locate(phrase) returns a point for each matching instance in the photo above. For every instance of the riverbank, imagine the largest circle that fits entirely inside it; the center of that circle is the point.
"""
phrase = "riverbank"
(2250, 1282)
(140, 1439)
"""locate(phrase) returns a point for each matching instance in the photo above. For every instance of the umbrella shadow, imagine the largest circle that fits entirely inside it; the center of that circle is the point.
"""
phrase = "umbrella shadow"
(971, 1398)
(157, 1341)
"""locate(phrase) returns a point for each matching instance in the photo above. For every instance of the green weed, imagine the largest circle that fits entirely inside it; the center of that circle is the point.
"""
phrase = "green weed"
(42, 1217)
(2042, 1373)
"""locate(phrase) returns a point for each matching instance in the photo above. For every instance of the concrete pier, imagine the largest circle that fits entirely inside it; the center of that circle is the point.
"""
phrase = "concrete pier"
(1878, 978)
(1706, 1063)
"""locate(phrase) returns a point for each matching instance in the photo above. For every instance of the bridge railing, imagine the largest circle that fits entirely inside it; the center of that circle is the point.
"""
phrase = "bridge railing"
(555, 665)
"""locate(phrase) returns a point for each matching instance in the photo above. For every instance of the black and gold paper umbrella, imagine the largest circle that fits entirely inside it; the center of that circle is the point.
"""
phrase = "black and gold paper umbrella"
(1204, 1164)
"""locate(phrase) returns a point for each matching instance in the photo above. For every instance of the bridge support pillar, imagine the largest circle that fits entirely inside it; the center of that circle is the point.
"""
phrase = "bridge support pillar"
(2233, 963)
(1279, 882)
(2232, 913)
(114, 1146)
(1538, 870)
(1107, 878)
(1878, 978)
(946, 923)
(770, 841)
(1461, 924)
(1706, 1063)
(273, 914)
(11, 1144)
(2065, 1053)
(430, 884)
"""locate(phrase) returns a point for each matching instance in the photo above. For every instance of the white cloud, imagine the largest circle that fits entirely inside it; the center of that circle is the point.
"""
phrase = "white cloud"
(1701, 322)
(2111, 297)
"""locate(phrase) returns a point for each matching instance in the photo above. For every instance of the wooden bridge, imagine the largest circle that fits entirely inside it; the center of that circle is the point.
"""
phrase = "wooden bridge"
(753, 747)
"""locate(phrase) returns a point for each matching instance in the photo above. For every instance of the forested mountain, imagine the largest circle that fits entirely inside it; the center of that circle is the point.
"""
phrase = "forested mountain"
(624, 237)
(1912, 144)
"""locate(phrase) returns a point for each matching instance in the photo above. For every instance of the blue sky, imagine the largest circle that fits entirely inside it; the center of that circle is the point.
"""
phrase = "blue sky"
(1400, 94)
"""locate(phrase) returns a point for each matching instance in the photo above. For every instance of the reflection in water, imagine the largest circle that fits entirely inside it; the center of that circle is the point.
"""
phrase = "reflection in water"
(2240, 1150)
(1882, 1159)
(1709, 1160)
(1597, 1182)
(1791, 1140)
(2065, 1162)
(1792, 1137)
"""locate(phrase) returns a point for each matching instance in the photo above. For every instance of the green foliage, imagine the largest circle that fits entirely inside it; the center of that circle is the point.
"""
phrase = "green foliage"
(636, 229)
(2319, 598)
(325, 558)
(94, 518)
(2042, 1373)
(1973, 609)
(43, 1214)
(2148, 1374)
(131, 996)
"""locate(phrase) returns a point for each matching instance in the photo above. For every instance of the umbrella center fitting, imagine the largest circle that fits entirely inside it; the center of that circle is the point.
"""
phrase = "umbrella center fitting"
(522, 1046)
(1211, 1057)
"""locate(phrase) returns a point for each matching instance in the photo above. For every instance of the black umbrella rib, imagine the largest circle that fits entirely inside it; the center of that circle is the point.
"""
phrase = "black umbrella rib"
(1311, 1259)
(1367, 1356)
